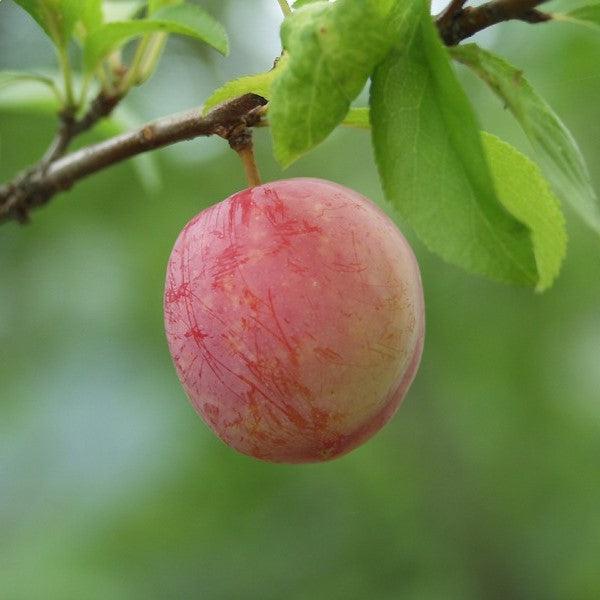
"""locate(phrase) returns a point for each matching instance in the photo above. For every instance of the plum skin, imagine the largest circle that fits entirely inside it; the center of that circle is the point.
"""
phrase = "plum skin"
(295, 319)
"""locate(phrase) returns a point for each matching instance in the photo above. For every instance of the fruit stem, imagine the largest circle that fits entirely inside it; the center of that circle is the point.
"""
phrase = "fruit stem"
(250, 167)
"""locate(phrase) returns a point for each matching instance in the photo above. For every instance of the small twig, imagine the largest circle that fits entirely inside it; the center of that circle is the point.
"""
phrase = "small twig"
(36, 186)
(70, 127)
(457, 23)
(101, 107)
(61, 140)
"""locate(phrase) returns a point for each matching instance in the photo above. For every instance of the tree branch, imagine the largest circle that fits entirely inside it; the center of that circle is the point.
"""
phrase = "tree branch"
(56, 172)
(457, 23)
(36, 186)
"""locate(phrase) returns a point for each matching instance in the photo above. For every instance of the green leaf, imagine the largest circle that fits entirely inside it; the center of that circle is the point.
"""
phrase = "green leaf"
(525, 193)
(358, 117)
(251, 84)
(301, 3)
(56, 17)
(185, 19)
(433, 166)
(121, 10)
(155, 5)
(91, 15)
(11, 77)
(332, 48)
(588, 16)
(28, 97)
(557, 151)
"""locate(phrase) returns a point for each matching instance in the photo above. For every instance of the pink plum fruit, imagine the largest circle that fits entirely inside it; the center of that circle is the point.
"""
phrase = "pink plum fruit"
(294, 315)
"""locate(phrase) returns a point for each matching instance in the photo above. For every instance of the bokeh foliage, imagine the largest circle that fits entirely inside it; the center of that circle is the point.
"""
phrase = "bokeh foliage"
(485, 485)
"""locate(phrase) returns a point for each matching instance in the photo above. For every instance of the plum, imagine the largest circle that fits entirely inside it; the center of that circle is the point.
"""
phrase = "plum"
(294, 315)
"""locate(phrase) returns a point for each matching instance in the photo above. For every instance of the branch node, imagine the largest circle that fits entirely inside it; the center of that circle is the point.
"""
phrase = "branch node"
(240, 140)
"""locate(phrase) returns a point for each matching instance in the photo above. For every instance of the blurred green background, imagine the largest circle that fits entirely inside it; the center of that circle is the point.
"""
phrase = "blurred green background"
(486, 484)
